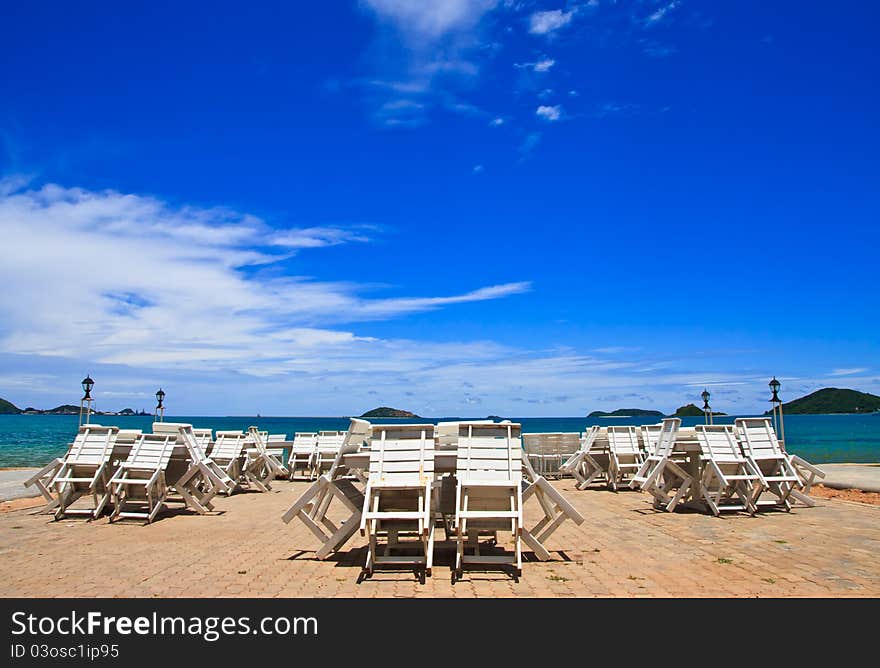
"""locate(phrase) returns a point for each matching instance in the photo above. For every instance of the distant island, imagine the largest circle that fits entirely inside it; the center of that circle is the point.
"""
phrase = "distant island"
(691, 410)
(626, 412)
(832, 400)
(8, 408)
(386, 412)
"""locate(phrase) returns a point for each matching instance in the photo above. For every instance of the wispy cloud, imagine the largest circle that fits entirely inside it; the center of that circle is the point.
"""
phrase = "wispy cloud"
(126, 279)
(661, 12)
(542, 65)
(547, 22)
(848, 372)
(424, 52)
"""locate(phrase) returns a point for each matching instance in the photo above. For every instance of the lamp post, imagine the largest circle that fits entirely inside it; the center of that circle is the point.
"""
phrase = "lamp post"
(86, 402)
(707, 411)
(776, 404)
(160, 408)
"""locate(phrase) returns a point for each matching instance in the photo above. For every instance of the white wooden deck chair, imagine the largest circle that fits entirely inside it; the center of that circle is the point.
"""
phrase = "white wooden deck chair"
(488, 495)
(547, 452)
(659, 474)
(582, 464)
(624, 454)
(397, 499)
(261, 467)
(760, 445)
(275, 450)
(326, 448)
(301, 453)
(336, 484)
(650, 435)
(727, 473)
(140, 479)
(204, 478)
(556, 509)
(228, 453)
(85, 470)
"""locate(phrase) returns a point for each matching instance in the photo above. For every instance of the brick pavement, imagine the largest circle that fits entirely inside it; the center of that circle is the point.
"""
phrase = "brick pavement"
(624, 548)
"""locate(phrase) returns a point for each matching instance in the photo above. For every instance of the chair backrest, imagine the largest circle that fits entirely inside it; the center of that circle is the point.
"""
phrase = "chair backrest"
(489, 452)
(257, 439)
(758, 438)
(276, 438)
(228, 445)
(650, 436)
(329, 442)
(127, 436)
(401, 454)
(446, 433)
(92, 446)
(718, 442)
(555, 443)
(185, 436)
(152, 451)
(304, 442)
(666, 439)
(353, 440)
(204, 436)
(623, 440)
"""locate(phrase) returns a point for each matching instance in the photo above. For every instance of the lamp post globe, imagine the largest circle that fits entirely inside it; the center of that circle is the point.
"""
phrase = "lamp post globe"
(87, 385)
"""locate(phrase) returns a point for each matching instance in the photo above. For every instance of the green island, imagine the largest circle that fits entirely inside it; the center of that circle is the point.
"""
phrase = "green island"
(386, 412)
(626, 412)
(8, 408)
(692, 410)
(832, 400)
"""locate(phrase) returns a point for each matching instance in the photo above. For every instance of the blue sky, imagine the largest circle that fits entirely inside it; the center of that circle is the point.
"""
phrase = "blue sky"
(456, 207)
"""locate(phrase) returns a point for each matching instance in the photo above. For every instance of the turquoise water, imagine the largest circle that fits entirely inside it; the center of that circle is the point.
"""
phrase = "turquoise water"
(32, 440)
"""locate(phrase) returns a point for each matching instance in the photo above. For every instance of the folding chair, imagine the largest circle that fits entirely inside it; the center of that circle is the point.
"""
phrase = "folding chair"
(275, 449)
(726, 472)
(556, 509)
(204, 478)
(397, 499)
(659, 474)
(582, 465)
(650, 434)
(228, 453)
(624, 455)
(488, 495)
(85, 470)
(549, 451)
(326, 447)
(301, 453)
(337, 484)
(760, 445)
(261, 467)
(140, 479)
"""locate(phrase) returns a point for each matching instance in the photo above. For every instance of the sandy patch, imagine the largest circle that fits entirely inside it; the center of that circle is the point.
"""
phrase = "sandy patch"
(857, 495)
(21, 504)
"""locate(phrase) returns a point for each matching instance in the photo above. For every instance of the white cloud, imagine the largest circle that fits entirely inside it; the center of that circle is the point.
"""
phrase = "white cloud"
(661, 12)
(542, 65)
(125, 279)
(425, 53)
(549, 113)
(848, 372)
(496, 122)
(478, 169)
(546, 22)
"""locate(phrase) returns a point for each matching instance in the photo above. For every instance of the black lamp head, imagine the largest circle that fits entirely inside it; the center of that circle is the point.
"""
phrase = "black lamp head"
(87, 385)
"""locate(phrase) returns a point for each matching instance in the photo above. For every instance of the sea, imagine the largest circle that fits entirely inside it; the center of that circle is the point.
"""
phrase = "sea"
(34, 440)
